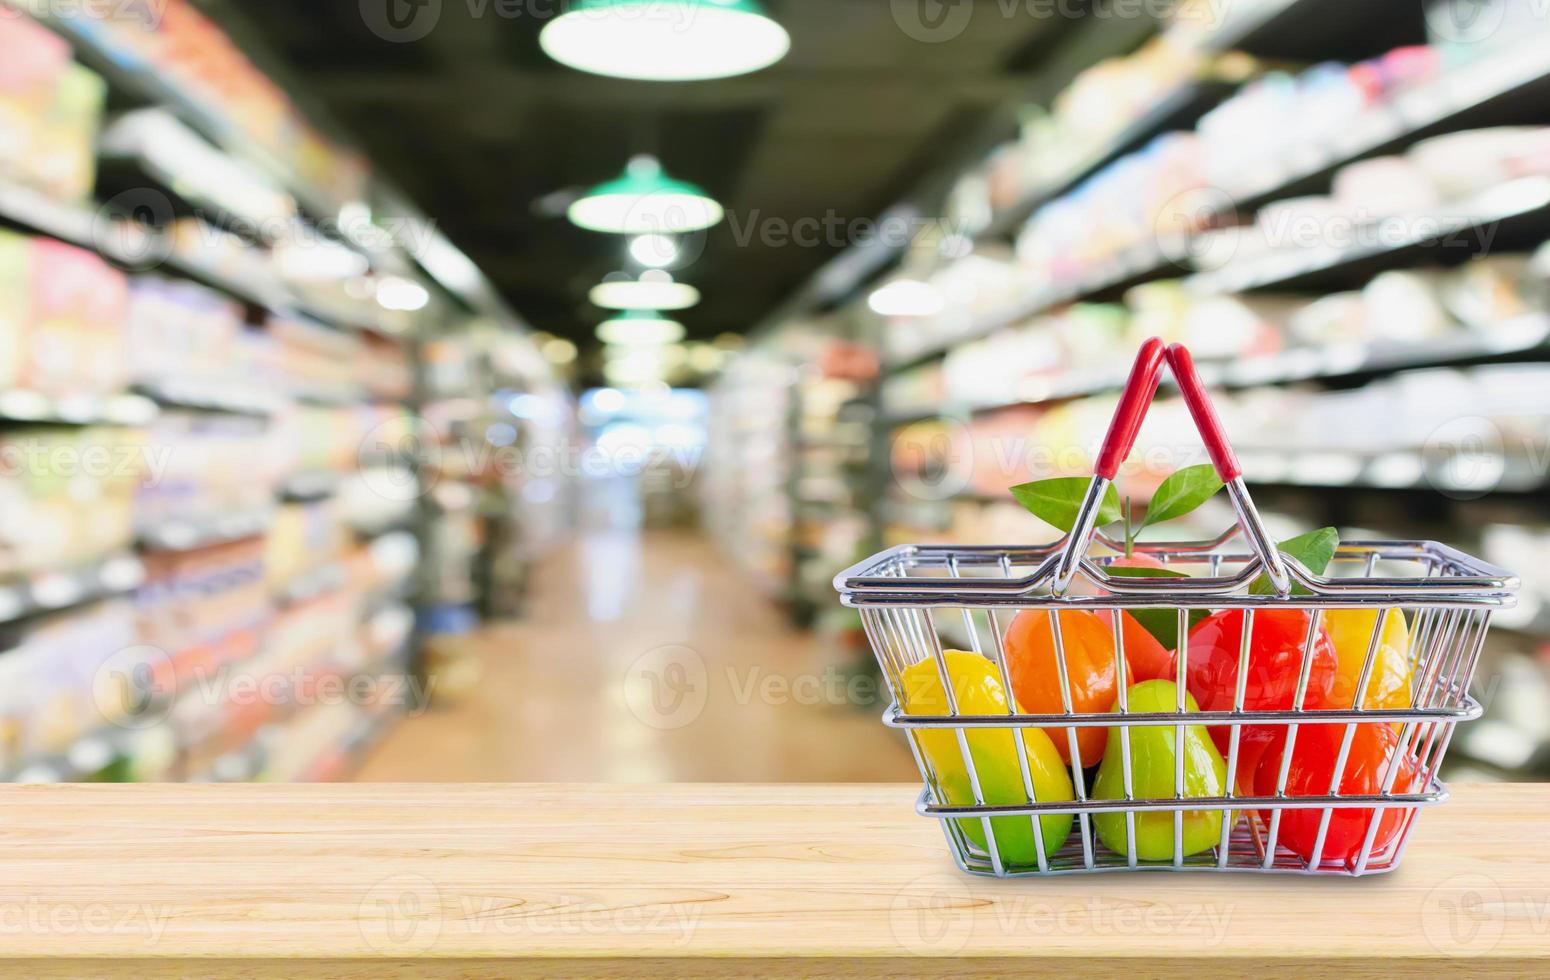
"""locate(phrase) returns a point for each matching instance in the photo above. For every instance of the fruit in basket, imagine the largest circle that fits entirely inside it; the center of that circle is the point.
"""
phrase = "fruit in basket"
(1388, 684)
(1149, 658)
(1090, 670)
(1311, 773)
(1274, 664)
(977, 689)
(1154, 754)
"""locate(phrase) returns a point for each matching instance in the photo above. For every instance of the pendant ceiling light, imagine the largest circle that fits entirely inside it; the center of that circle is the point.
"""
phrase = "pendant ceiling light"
(665, 40)
(640, 328)
(645, 201)
(654, 290)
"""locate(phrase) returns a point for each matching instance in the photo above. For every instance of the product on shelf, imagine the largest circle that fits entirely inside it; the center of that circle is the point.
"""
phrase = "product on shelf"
(66, 496)
(62, 317)
(57, 681)
(211, 466)
(203, 609)
(50, 111)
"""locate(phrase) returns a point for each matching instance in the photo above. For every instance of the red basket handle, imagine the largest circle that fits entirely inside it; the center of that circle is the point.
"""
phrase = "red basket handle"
(1134, 402)
(1145, 375)
(1204, 413)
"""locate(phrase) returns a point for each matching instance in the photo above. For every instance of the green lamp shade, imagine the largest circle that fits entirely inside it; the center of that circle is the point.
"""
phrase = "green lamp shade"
(654, 290)
(640, 328)
(645, 201)
(665, 40)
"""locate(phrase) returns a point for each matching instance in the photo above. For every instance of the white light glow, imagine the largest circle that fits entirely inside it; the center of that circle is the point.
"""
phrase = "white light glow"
(405, 295)
(640, 330)
(654, 251)
(665, 42)
(654, 290)
(906, 297)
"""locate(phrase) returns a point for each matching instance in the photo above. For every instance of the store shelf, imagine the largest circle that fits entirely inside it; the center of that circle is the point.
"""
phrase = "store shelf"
(51, 591)
(1406, 469)
(1432, 229)
(128, 73)
(1520, 72)
(312, 584)
(25, 405)
(195, 533)
(209, 396)
(310, 485)
(1129, 268)
(1529, 335)
(1179, 109)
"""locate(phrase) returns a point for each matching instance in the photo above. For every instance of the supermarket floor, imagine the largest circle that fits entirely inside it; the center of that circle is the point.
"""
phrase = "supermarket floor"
(647, 658)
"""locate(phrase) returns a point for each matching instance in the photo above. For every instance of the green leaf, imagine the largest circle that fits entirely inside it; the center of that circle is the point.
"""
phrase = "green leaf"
(1315, 550)
(1161, 623)
(1182, 492)
(1057, 501)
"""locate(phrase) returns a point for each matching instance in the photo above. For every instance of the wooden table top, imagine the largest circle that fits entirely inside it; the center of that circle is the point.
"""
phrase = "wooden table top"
(699, 880)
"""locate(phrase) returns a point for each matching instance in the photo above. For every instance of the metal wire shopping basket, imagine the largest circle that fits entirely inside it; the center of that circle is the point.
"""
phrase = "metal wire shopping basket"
(914, 599)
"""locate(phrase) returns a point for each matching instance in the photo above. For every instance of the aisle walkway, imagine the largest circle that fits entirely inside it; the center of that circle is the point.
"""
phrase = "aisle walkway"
(648, 660)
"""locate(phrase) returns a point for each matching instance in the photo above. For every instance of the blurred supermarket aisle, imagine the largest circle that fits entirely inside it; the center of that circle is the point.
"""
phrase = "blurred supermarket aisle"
(644, 659)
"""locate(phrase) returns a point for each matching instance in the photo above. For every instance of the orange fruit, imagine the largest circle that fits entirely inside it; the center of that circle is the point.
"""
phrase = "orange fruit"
(1090, 672)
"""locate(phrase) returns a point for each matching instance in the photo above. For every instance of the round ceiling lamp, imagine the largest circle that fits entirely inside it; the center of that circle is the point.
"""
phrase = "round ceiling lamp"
(654, 290)
(640, 328)
(645, 201)
(675, 41)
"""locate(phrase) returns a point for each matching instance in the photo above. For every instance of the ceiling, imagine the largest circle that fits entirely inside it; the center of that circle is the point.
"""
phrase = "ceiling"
(482, 130)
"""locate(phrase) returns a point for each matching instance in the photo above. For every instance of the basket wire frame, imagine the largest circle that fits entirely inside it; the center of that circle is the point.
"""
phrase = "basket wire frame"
(910, 597)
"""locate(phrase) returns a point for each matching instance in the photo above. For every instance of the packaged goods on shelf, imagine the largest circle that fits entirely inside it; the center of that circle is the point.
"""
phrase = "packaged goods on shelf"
(56, 682)
(179, 330)
(305, 539)
(66, 496)
(203, 609)
(173, 40)
(50, 111)
(210, 466)
(62, 316)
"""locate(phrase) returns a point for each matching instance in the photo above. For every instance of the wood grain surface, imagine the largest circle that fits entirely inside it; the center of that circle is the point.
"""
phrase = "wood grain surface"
(701, 880)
